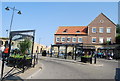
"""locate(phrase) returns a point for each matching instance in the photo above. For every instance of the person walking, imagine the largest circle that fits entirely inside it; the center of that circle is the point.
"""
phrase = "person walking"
(5, 52)
(2, 47)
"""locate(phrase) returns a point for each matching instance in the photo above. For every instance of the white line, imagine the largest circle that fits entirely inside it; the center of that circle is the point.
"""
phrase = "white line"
(34, 73)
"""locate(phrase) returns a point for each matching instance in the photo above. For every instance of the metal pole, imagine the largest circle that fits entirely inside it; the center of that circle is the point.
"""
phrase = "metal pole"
(39, 48)
(65, 52)
(12, 19)
(3, 61)
(95, 58)
(75, 53)
(7, 33)
(51, 51)
(58, 51)
(33, 45)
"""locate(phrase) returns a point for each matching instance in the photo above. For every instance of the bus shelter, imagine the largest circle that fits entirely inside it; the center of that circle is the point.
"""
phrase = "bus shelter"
(20, 54)
(77, 52)
(66, 53)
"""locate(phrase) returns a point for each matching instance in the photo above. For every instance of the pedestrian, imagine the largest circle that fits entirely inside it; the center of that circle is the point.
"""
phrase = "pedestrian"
(2, 47)
(5, 52)
(112, 54)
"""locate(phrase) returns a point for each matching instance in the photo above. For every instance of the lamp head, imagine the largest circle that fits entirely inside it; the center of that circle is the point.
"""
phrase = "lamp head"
(7, 8)
(19, 12)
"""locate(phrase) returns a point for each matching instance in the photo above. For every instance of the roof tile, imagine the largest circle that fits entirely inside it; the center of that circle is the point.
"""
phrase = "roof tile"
(72, 30)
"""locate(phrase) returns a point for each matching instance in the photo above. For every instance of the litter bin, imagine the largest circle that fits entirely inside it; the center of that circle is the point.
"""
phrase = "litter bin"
(44, 53)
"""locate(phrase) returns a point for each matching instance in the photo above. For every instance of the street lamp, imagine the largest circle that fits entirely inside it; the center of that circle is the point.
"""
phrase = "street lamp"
(18, 12)
(7, 33)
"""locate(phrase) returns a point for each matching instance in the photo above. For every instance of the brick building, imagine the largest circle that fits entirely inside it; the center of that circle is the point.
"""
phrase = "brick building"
(99, 32)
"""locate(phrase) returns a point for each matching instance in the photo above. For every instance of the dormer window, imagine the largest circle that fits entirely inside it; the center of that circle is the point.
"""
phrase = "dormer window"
(78, 31)
(65, 31)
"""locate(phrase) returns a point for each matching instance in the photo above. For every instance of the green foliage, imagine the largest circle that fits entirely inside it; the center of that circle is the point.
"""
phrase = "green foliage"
(24, 46)
(20, 56)
(87, 56)
(118, 39)
(118, 28)
(107, 42)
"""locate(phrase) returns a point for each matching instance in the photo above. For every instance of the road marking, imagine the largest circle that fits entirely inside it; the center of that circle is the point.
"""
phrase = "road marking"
(30, 77)
(98, 65)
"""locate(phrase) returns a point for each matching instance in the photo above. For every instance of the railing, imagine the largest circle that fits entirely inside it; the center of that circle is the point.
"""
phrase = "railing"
(74, 56)
(23, 64)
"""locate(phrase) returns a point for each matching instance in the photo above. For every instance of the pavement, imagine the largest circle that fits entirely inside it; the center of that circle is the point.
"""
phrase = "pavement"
(17, 74)
(98, 63)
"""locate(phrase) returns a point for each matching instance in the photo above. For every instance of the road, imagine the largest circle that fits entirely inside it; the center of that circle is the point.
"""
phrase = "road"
(55, 69)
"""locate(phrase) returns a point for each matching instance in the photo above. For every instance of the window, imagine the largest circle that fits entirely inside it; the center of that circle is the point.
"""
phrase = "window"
(73, 39)
(108, 30)
(68, 39)
(79, 39)
(101, 40)
(101, 21)
(57, 39)
(78, 31)
(63, 39)
(109, 39)
(101, 30)
(65, 31)
(93, 30)
(93, 40)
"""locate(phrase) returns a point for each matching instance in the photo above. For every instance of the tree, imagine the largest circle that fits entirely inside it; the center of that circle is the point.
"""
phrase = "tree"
(24, 46)
(118, 39)
(118, 28)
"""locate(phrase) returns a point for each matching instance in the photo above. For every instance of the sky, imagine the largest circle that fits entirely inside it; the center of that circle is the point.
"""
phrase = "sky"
(46, 17)
(60, 0)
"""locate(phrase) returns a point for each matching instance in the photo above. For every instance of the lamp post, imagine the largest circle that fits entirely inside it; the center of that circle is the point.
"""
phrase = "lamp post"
(7, 33)
(14, 9)
(3, 59)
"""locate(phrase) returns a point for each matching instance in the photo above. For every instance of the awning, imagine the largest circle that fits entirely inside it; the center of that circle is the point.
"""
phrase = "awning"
(106, 48)
(87, 47)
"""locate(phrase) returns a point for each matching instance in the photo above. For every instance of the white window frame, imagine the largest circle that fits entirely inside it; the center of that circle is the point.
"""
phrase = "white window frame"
(107, 30)
(62, 39)
(70, 39)
(73, 39)
(93, 31)
(93, 38)
(100, 31)
(80, 41)
(109, 38)
(102, 38)
(57, 38)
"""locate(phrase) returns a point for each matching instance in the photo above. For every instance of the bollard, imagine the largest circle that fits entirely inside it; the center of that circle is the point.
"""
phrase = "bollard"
(91, 60)
(95, 59)
(23, 66)
(2, 70)
(34, 61)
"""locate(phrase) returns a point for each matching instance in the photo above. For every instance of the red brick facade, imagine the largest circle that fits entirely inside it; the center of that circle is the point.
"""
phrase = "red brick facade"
(99, 31)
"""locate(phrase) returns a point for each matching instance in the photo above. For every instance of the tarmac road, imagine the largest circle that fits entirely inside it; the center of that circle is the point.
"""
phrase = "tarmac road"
(55, 69)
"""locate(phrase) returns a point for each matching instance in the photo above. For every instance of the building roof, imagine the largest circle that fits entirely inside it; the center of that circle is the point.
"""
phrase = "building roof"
(4, 38)
(101, 14)
(79, 30)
